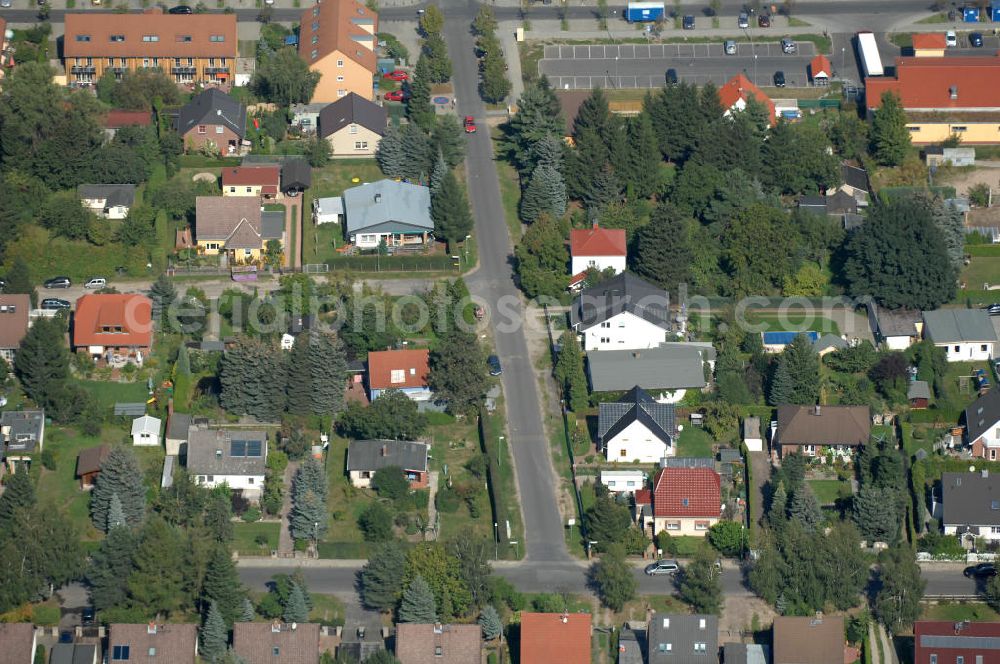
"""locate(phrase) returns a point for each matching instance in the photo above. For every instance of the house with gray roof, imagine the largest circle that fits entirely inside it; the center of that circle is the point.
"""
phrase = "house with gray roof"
(895, 329)
(22, 435)
(234, 457)
(676, 638)
(636, 428)
(367, 457)
(745, 653)
(236, 226)
(629, 645)
(75, 653)
(665, 372)
(967, 335)
(982, 426)
(111, 201)
(398, 213)
(828, 343)
(621, 313)
(213, 121)
(353, 126)
(969, 503)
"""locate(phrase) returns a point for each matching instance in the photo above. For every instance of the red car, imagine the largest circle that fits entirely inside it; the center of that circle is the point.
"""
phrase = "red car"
(470, 124)
(395, 95)
(398, 75)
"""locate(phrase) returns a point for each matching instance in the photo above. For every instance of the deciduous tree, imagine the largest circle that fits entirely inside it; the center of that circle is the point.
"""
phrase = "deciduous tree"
(699, 584)
(284, 78)
(570, 373)
(613, 579)
(393, 416)
(542, 258)
(458, 372)
(382, 578)
(897, 603)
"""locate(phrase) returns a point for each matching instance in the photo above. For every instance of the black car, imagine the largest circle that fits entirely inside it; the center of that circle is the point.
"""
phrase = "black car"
(672, 76)
(58, 282)
(763, 21)
(779, 79)
(55, 303)
(180, 9)
(494, 363)
(975, 39)
(980, 571)
(688, 22)
(993, 309)
(87, 615)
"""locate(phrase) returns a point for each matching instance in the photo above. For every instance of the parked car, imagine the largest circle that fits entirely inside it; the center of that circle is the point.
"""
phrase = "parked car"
(688, 22)
(4, 3)
(980, 571)
(58, 282)
(950, 38)
(470, 124)
(180, 9)
(65, 636)
(662, 567)
(976, 39)
(87, 615)
(96, 282)
(671, 76)
(788, 45)
(993, 309)
(729, 46)
(779, 79)
(396, 95)
(494, 364)
(3, 285)
(743, 22)
(397, 75)
(52, 303)
(764, 21)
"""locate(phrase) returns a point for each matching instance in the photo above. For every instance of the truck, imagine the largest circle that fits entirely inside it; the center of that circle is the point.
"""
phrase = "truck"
(643, 12)
(871, 62)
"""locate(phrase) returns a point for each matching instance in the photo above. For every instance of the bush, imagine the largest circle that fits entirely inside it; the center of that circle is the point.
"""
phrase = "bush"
(666, 543)
(727, 537)
(937, 544)
(390, 482)
(261, 540)
(376, 523)
(252, 514)
(49, 459)
(447, 501)
(548, 603)
(45, 614)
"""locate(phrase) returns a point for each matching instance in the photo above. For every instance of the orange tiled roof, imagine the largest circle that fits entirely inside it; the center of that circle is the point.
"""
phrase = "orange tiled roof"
(820, 65)
(740, 87)
(251, 175)
(597, 241)
(335, 25)
(131, 314)
(176, 35)
(555, 637)
(117, 118)
(413, 363)
(930, 84)
(687, 492)
(929, 40)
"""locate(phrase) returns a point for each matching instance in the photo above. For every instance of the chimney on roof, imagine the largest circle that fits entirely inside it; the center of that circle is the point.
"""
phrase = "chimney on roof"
(378, 198)
(276, 627)
(953, 91)
(817, 410)
(438, 629)
(294, 625)
(565, 617)
(385, 450)
(635, 355)
(986, 474)
(151, 628)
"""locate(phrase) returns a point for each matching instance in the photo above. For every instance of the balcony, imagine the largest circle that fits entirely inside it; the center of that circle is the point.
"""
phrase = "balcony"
(183, 70)
(216, 70)
(83, 69)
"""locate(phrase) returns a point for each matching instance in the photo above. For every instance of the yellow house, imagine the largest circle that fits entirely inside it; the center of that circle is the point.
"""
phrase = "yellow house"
(353, 126)
(683, 501)
(237, 227)
(929, 45)
(337, 39)
(258, 181)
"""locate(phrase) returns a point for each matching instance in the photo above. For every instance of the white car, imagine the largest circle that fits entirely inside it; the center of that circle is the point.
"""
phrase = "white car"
(743, 22)
(950, 38)
(729, 46)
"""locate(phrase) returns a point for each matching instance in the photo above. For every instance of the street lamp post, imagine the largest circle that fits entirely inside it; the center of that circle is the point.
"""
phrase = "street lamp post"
(755, 69)
(496, 541)
(500, 440)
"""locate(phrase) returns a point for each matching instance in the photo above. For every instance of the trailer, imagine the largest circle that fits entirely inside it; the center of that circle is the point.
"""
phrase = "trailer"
(871, 62)
(643, 12)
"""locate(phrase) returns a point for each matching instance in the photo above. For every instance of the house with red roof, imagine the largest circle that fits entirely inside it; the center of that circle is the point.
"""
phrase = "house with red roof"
(555, 637)
(597, 248)
(403, 370)
(686, 501)
(942, 641)
(117, 119)
(115, 327)
(820, 70)
(734, 94)
(258, 181)
(944, 97)
(929, 45)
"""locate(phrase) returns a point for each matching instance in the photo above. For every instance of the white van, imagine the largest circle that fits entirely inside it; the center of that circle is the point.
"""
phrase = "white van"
(97, 283)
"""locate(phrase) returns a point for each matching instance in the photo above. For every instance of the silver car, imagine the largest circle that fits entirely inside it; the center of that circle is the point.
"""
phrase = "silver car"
(729, 46)
(662, 568)
(788, 46)
(4, 3)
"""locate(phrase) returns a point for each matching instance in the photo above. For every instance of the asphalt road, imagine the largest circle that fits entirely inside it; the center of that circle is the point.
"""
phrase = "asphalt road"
(644, 65)
(494, 282)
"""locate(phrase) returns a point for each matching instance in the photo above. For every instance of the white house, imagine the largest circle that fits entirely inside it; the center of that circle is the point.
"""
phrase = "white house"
(232, 457)
(597, 248)
(895, 329)
(982, 426)
(623, 481)
(397, 213)
(752, 437)
(969, 505)
(111, 201)
(966, 334)
(328, 210)
(621, 313)
(636, 428)
(146, 431)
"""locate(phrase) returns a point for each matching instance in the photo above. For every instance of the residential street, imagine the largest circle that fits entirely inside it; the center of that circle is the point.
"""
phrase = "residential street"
(536, 480)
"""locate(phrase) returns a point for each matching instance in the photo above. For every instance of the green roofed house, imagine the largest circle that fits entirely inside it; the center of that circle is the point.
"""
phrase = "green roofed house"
(967, 335)
(398, 213)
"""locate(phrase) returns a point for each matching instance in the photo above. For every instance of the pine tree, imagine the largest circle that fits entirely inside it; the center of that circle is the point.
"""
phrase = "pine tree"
(450, 211)
(890, 137)
(570, 373)
(614, 579)
(418, 153)
(253, 379)
(458, 372)
(42, 362)
(247, 611)
(418, 107)
(604, 189)
(109, 568)
(219, 515)
(214, 635)
(438, 174)
(585, 163)
(19, 281)
(295, 606)
(781, 387)
(311, 476)
(779, 505)
(382, 578)
(308, 520)
(222, 584)
(418, 605)
(18, 497)
(545, 193)
(317, 370)
(805, 508)
(116, 514)
(876, 515)
(157, 581)
(538, 118)
(802, 362)
(699, 584)
(183, 365)
(389, 155)
(489, 620)
(643, 156)
(120, 474)
(664, 249)
(163, 295)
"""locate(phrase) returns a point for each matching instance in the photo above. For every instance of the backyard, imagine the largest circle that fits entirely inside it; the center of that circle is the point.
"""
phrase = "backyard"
(827, 492)
(319, 242)
(694, 442)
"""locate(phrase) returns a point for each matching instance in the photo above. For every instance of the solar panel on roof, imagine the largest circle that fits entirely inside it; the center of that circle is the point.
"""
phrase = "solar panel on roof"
(238, 448)
(253, 448)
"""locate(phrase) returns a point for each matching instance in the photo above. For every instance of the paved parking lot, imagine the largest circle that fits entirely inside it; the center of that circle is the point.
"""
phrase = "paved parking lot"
(570, 67)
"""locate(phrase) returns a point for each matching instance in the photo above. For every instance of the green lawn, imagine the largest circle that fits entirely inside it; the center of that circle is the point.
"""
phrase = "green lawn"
(510, 195)
(453, 444)
(319, 243)
(327, 610)
(107, 393)
(61, 486)
(245, 536)
(957, 612)
(917, 437)
(795, 320)
(694, 442)
(332, 180)
(828, 491)
(981, 270)
(77, 259)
